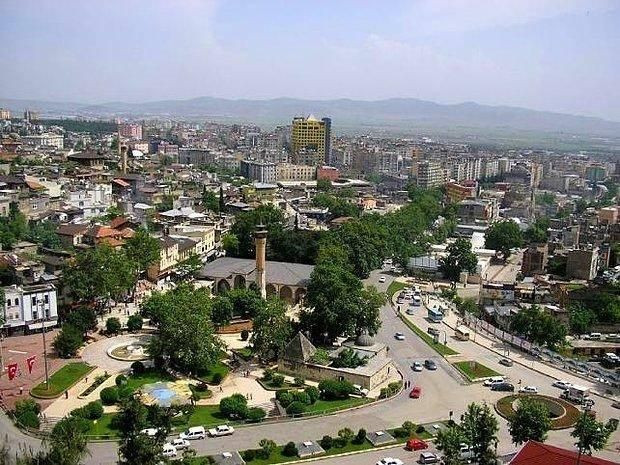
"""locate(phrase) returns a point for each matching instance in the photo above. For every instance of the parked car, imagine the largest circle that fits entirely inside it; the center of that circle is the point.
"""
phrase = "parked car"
(430, 365)
(149, 431)
(360, 391)
(562, 384)
(222, 430)
(616, 405)
(169, 450)
(417, 366)
(492, 380)
(195, 432)
(467, 452)
(416, 392)
(399, 336)
(433, 331)
(506, 362)
(503, 387)
(382, 279)
(390, 461)
(528, 390)
(428, 457)
(180, 443)
(416, 444)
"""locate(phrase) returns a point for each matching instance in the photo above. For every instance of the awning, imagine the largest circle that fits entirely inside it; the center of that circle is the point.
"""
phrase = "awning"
(46, 324)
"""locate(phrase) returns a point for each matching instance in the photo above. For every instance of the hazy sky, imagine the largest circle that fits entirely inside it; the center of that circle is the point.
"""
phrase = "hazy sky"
(560, 55)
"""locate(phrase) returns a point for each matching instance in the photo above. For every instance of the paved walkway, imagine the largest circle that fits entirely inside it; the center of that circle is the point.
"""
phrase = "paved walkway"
(96, 353)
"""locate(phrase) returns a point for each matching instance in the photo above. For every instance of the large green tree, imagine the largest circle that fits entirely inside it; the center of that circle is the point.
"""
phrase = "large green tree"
(538, 326)
(591, 434)
(503, 236)
(135, 447)
(271, 330)
(460, 258)
(449, 442)
(67, 442)
(531, 421)
(480, 429)
(143, 249)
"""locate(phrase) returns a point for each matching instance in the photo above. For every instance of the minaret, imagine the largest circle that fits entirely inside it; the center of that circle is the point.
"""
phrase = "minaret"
(124, 151)
(260, 243)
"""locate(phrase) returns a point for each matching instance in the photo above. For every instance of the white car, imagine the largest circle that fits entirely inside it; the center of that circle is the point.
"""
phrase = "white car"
(562, 384)
(428, 457)
(195, 432)
(417, 366)
(494, 379)
(528, 390)
(390, 461)
(399, 336)
(180, 443)
(169, 450)
(222, 430)
(382, 279)
(149, 431)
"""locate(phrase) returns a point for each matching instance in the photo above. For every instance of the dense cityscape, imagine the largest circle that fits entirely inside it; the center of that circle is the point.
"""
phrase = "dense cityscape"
(209, 287)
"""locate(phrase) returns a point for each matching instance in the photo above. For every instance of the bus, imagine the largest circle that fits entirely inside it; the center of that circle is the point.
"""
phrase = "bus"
(435, 315)
(417, 301)
(462, 333)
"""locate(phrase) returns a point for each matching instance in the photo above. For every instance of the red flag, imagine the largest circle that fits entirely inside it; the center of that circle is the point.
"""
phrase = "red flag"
(12, 369)
(30, 363)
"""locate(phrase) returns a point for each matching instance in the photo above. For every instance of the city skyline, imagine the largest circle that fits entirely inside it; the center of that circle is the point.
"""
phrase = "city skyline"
(545, 55)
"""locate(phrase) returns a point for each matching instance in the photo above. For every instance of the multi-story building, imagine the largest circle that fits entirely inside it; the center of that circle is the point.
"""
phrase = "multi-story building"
(44, 140)
(460, 191)
(292, 172)
(92, 200)
(478, 211)
(29, 308)
(261, 171)
(327, 172)
(5, 114)
(534, 260)
(582, 263)
(196, 156)
(430, 174)
(130, 130)
(596, 173)
(310, 140)
(608, 215)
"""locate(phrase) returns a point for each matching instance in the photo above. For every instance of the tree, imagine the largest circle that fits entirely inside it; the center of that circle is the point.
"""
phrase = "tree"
(267, 447)
(245, 226)
(246, 302)
(230, 243)
(112, 325)
(323, 185)
(235, 406)
(345, 435)
(210, 201)
(503, 236)
(83, 318)
(538, 326)
(480, 429)
(531, 421)
(460, 258)
(591, 434)
(113, 213)
(449, 442)
(581, 319)
(143, 250)
(190, 266)
(68, 341)
(537, 232)
(271, 330)
(134, 323)
(67, 442)
(222, 311)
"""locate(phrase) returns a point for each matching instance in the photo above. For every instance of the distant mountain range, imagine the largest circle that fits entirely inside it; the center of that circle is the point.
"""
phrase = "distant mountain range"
(400, 114)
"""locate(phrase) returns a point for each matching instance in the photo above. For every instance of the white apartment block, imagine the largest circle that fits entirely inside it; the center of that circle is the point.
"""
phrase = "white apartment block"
(430, 174)
(24, 306)
(293, 172)
(93, 200)
(47, 140)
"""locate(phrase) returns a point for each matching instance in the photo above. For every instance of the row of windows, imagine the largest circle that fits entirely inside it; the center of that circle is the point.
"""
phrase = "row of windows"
(46, 300)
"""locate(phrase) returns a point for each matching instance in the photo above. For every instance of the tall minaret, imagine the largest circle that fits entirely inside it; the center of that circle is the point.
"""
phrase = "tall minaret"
(260, 243)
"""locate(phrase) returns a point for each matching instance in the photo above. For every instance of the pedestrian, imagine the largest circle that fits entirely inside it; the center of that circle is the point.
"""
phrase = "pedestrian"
(21, 390)
(86, 379)
(66, 394)
(221, 390)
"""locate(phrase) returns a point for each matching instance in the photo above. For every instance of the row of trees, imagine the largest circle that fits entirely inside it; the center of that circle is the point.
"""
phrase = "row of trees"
(539, 327)
(15, 227)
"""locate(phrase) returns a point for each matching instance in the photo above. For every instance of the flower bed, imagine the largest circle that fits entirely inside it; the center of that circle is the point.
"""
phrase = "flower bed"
(505, 407)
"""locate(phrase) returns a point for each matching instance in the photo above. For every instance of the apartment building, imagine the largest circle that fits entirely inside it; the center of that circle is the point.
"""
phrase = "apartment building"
(24, 306)
(293, 172)
(260, 171)
(44, 140)
(310, 140)
(430, 174)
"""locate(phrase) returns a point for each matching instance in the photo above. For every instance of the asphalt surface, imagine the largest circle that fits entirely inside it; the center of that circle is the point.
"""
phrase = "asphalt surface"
(443, 391)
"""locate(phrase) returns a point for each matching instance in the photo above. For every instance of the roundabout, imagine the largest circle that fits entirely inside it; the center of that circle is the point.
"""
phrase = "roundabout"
(563, 414)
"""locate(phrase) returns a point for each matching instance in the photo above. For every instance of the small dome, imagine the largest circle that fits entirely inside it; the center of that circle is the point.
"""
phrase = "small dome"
(364, 340)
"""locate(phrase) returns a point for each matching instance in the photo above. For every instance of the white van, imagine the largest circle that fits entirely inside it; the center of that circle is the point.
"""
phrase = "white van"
(169, 450)
(196, 432)
(494, 379)
(595, 336)
(417, 301)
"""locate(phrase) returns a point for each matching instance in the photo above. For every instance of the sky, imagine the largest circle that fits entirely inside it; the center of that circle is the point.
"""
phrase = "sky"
(556, 55)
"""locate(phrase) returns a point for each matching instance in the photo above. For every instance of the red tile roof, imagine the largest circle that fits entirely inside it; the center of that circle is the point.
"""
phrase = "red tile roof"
(536, 453)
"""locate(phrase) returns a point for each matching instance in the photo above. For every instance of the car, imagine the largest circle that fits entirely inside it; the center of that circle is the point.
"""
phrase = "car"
(169, 450)
(149, 431)
(507, 387)
(430, 365)
(616, 405)
(180, 443)
(417, 366)
(416, 392)
(222, 430)
(528, 390)
(360, 391)
(466, 451)
(399, 336)
(390, 461)
(492, 380)
(433, 331)
(428, 457)
(416, 444)
(195, 432)
(382, 279)
(506, 362)
(562, 384)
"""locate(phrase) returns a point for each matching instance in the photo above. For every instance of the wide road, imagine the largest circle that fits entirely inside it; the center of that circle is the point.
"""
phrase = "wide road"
(442, 391)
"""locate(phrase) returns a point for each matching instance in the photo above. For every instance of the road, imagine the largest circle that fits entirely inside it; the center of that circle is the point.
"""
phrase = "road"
(442, 391)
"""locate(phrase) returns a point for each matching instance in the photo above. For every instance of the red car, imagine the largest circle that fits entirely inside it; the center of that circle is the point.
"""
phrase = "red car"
(416, 392)
(416, 444)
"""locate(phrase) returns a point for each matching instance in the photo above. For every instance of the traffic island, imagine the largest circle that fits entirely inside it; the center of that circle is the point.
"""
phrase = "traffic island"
(475, 371)
(563, 414)
(61, 381)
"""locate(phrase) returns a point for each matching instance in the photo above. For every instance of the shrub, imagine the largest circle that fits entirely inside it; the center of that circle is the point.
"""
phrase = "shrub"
(313, 393)
(285, 398)
(255, 414)
(137, 368)
(277, 380)
(267, 374)
(109, 396)
(217, 378)
(360, 437)
(290, 449)
(326, 442)
(344, 436)
(235, 406)
(245, 335)
(93, 410)
(299, 381)
(409, 427)
(124, 392)
(68, 341)
(134, 323)
(332, 389)
(296, 408)
(112, 325)
(29, 419)
(27, 413)
(401, 433)
(267, 446)
(81, 424)
(249, 455)
(121, 380)
(420, 429)
(27, 405)
(301, 396)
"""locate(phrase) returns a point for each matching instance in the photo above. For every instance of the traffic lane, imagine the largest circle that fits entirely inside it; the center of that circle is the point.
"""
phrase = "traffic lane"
(372, 457)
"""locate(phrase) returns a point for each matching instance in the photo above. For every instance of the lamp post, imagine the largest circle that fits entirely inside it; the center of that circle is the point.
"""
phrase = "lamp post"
(43, 319)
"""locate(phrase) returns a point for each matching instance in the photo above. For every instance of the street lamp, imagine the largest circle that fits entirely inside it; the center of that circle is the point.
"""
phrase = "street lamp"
(43, 319)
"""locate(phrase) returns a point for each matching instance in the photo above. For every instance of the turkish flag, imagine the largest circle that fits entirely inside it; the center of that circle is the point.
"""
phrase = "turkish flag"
(12, 369)
(30, 363)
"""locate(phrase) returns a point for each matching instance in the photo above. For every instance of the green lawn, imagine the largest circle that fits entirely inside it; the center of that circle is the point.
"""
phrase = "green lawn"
(442, 349)
(219, 367)
(62, 380)
(327, 406)
(475, 370)
(394, 287)
(136, 381)
(103, 426)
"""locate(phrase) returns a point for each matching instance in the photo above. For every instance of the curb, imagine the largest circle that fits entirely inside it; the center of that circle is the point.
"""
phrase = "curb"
(346, 454)
(92, 368)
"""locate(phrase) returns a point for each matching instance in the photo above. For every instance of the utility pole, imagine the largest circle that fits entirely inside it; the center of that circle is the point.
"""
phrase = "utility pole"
(44, 344)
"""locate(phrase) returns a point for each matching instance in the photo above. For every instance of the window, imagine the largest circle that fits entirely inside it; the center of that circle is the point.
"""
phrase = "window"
(8, 302)
(16, 301)
(35, 315)
(46, 299)
(34, 300)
